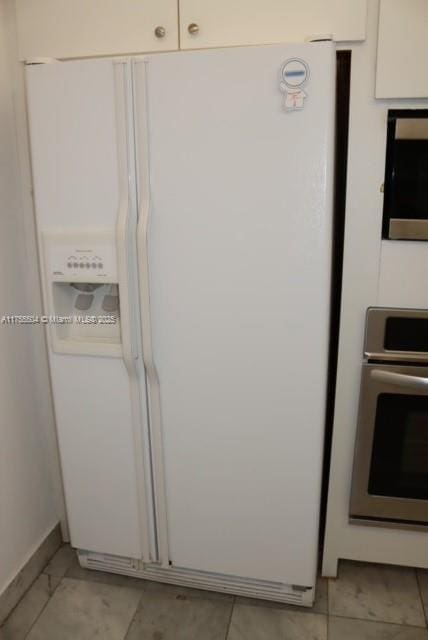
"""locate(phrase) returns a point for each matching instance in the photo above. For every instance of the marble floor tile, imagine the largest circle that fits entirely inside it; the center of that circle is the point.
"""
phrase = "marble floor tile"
(86, 610)
(77, 572)
(22, 618)
(61, 562)
(168, 614)
(321, 596)
(261, 623)
(347, 629)
(13, 593)
(423, 584)
(320, 604)
(382, 593)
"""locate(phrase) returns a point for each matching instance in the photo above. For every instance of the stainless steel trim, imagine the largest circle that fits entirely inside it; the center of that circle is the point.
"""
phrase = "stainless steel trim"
(400, 380)
(405, 229)
(397, 356)
(375, 334)
(362, 503)
(388, 524)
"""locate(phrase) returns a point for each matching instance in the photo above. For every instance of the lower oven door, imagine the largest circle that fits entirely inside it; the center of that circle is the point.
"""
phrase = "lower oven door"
(390, 478)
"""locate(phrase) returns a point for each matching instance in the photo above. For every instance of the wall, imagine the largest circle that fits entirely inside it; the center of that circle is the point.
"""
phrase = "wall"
(365, 272)
(30, 490)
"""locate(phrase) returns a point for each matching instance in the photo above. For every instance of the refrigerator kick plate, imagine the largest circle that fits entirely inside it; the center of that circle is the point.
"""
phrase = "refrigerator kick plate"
(262, 589)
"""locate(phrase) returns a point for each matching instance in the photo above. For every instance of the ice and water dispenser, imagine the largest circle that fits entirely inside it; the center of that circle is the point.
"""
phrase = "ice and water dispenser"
(82, 291)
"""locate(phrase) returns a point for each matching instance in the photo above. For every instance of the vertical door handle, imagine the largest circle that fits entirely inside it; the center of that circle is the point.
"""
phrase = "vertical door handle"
(126, 224)
(144, 212)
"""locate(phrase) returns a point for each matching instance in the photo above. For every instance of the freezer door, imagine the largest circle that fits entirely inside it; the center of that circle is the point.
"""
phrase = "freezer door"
(80, 117)
(238, 151)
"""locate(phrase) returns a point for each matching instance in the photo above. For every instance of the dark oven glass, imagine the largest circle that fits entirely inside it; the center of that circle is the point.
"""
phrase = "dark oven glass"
(406, 170)
(406, 334)
(399, 464)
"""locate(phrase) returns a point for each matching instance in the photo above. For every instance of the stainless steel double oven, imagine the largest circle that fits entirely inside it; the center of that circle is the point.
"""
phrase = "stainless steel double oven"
(390, 477)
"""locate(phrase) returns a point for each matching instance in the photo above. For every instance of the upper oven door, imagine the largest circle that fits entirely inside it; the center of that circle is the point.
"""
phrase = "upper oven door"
(390, 479)
(405, 214)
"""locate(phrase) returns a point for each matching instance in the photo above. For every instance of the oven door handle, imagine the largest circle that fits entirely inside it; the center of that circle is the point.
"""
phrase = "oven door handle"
(400, 379)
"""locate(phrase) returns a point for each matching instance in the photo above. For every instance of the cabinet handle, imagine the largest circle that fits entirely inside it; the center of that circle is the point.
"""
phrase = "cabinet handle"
(193, 29)
(160, 32)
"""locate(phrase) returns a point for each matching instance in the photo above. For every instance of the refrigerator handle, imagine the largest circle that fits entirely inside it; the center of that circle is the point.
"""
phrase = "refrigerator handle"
(126, 223)
(144, 210)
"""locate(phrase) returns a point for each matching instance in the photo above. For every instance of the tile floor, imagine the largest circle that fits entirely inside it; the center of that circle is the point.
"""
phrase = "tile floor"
(367, 602)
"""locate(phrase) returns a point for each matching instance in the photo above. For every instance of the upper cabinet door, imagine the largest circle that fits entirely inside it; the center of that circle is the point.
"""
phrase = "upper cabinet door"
(216, 23)
(77, 28)
(402, 49)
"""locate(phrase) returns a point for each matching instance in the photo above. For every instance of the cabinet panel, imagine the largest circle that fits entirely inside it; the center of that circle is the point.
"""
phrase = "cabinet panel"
(402, 49)
(223, 23)
(77, 28)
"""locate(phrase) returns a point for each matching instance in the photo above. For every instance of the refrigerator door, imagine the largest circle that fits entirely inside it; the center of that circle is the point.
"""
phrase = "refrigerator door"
(238, 148)
(84, 181)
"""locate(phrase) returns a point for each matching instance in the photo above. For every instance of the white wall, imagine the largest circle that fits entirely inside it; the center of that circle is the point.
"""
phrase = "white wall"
(28, 498)
(364, 272)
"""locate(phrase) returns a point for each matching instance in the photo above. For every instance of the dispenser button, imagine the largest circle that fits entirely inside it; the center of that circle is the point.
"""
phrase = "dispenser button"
(100, 265)
(75, 265)
(69, 265)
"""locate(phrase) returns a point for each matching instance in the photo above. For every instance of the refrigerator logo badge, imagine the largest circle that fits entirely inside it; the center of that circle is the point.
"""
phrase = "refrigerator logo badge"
(294, 76)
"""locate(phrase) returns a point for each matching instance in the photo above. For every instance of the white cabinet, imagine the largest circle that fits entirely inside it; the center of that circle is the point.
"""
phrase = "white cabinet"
(77, 28)
(402, 49)
(80, 28)
(222, 23)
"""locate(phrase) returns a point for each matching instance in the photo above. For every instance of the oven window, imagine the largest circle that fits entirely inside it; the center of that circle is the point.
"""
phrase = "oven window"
(399, 464)
(406, 170)
(406, 334)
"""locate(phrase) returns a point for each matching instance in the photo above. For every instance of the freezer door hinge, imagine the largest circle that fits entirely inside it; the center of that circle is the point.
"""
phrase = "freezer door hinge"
(319, 37)
(31, 61)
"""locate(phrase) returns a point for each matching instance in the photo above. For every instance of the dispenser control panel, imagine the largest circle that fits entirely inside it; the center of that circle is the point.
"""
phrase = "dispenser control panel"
(80, 257)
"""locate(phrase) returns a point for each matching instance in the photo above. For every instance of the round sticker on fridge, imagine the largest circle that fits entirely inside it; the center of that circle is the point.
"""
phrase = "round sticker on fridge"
(294, 75)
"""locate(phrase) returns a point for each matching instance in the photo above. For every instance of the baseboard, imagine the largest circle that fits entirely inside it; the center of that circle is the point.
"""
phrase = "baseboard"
(13, 593)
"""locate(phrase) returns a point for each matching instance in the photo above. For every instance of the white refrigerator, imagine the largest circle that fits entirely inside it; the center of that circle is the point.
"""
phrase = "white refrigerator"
(184, 205)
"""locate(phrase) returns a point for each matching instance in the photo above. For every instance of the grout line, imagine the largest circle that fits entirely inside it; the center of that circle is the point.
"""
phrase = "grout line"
(22, 570)
(51, 594)
(395, 624)
(134, 616)
(328, 596)
(421, 598)
(230, 617)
